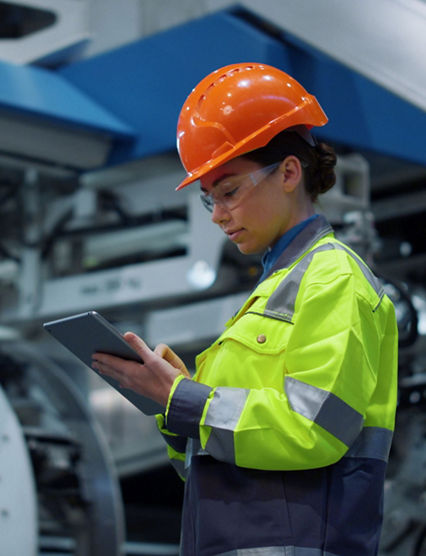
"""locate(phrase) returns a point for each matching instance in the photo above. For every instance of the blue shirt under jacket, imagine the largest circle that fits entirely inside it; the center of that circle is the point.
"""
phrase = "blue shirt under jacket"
(272, 254)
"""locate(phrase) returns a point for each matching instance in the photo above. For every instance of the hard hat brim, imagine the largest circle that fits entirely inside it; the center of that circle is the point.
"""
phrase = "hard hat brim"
(255, 141)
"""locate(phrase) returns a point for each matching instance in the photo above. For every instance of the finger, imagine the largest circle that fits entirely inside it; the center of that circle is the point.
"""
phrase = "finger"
(105, 369)
(110, 360)
(138, 345)
(123, 374)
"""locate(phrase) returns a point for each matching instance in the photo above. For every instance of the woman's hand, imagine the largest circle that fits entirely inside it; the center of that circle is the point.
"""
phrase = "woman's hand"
(153, 379)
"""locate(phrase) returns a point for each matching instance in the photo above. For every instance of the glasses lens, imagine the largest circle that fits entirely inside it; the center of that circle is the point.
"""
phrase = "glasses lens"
(233, 190)
(207, 202)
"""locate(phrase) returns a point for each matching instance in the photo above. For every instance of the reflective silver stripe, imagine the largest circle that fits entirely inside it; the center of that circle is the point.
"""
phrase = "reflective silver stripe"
(223, 415)
(372, 442)
(278, 551)
(368, 274)
(281, 303)
(325, 409)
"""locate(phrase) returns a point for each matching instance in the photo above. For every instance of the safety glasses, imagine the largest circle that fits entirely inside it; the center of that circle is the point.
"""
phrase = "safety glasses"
(233, 190)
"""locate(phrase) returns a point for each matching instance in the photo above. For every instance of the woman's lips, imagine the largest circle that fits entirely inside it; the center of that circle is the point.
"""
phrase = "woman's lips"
(233, 234)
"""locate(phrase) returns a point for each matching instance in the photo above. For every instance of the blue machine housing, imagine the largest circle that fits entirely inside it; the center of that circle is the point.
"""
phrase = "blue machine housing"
(37, 93)
(134, 93)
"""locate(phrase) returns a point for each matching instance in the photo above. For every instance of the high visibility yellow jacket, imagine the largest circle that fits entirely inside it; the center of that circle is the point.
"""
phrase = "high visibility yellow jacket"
(284, 432)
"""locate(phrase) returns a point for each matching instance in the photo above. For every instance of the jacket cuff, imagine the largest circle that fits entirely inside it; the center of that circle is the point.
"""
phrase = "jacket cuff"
(186, 406)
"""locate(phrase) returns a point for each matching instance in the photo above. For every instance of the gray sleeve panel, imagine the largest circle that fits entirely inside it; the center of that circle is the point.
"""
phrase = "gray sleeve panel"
(225, 408)
(186, 408)
(221, 445)
(325, 409)
(223, 415)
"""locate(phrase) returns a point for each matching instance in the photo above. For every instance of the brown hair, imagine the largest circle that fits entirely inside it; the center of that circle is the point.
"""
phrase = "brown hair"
(318, 159)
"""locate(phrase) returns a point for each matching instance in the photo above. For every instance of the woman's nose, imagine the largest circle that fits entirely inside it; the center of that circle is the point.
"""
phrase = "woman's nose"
(220, 213)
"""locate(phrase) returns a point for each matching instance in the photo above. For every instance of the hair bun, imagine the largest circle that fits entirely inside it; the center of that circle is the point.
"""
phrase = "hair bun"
(324, 174)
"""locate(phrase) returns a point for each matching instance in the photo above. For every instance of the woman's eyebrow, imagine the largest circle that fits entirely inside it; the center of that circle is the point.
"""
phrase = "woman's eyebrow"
(222, 177)
(217, 181)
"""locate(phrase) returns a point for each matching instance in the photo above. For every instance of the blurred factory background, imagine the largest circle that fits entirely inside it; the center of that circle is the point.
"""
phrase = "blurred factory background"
(90, 92)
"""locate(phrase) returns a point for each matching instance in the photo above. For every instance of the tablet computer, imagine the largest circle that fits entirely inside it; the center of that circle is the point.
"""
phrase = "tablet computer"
(87, 333)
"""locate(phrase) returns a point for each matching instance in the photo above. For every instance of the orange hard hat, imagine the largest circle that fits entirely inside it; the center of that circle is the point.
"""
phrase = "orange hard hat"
(237, 109)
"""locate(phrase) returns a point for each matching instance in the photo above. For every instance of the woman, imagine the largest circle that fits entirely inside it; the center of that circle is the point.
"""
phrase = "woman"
(283, 433)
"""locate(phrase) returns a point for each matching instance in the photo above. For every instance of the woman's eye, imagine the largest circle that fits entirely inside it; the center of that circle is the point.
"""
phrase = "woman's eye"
(231, 192)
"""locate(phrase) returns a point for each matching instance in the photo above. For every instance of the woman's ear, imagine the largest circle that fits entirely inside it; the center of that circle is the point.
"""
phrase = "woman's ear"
(292, 173)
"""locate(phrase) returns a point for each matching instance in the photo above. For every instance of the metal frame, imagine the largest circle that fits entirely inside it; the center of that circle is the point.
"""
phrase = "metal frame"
(18, 506)
(380, 40)
(69, 33)
(172, 279)
(102, 533)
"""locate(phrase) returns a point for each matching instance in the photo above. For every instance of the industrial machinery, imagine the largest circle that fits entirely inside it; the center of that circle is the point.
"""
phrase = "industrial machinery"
(58, 491)
(404, 527)
(151, 261)
(88, 220)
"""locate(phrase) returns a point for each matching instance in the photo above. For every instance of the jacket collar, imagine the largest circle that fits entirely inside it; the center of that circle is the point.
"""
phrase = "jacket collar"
(314, 231)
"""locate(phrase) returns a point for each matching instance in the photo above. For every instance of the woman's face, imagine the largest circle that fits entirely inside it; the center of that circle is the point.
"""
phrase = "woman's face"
(265, 212)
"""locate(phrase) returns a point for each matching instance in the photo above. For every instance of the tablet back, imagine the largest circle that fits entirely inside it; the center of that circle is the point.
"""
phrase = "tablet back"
(87, 333)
